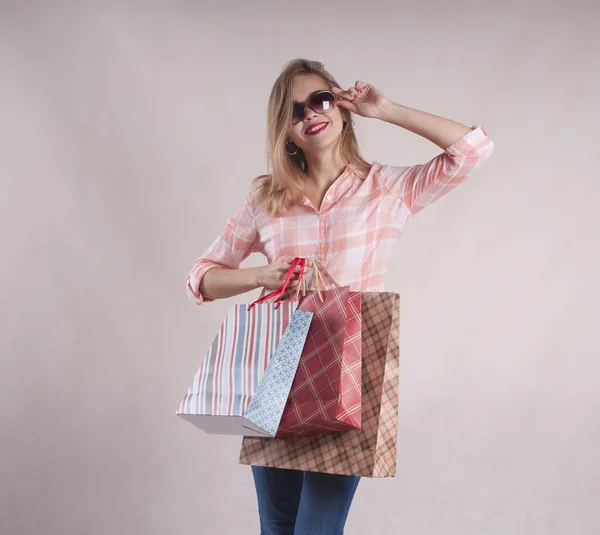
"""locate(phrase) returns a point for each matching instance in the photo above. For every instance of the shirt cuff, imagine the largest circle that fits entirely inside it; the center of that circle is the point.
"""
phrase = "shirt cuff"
(193, 281)
(472, 141)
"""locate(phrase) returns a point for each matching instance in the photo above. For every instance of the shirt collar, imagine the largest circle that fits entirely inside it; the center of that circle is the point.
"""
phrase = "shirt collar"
(334, 190)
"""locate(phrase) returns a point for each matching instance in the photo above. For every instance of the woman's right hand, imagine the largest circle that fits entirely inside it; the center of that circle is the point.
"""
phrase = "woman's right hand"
(272, 276)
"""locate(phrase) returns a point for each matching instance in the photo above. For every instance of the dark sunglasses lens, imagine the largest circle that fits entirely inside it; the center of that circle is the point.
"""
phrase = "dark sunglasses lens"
(322, 102)
(297, 113)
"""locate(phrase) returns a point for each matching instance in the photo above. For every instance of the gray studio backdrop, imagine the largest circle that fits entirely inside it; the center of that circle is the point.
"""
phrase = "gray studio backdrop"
(130, 132)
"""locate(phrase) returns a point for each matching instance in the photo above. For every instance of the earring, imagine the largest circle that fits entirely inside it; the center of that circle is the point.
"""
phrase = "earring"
(291, 153)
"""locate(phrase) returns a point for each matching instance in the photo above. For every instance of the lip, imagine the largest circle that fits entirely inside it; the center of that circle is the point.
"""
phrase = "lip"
(323, 125)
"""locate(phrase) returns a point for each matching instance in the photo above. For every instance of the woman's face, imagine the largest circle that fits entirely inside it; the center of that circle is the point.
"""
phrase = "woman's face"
(308, 134)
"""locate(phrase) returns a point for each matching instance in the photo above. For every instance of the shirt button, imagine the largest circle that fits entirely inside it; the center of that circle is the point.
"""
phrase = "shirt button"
(319, 241)
(328, 197)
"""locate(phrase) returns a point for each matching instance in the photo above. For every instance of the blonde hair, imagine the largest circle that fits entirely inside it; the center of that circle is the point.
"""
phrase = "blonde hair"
(284, 185)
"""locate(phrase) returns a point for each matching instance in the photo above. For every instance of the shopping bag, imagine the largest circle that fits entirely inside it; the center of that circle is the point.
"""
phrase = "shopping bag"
(236, 361)
(326, 393)
(266, 406)
(371, 450)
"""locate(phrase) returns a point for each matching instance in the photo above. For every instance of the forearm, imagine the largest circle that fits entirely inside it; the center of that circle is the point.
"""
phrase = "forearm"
(439, 130)
(221, 283)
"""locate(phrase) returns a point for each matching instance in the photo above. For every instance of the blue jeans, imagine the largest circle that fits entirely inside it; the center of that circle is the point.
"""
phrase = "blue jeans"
(292, 502)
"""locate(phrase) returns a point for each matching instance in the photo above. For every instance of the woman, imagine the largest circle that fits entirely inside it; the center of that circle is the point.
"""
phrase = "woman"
(323, 201)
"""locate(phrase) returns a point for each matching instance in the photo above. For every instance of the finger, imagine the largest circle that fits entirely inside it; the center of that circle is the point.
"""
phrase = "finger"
(283, 271)
(347, 105)
(353, 91)
(341, 93)
(287, 259)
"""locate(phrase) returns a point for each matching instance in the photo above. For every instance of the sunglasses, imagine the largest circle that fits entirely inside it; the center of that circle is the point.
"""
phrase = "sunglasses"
(319, 102)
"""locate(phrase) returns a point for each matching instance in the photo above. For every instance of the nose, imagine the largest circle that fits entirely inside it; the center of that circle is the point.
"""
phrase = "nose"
(309, 113)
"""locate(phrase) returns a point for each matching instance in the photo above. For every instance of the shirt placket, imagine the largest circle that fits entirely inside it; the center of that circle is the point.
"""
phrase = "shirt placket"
(322, 218)
(321, 235)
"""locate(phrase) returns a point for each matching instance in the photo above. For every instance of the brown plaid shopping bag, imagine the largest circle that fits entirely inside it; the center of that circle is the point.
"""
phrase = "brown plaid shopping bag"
(371, 450)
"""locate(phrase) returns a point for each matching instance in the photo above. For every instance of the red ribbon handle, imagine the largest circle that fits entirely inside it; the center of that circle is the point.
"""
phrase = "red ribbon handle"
(280, 293)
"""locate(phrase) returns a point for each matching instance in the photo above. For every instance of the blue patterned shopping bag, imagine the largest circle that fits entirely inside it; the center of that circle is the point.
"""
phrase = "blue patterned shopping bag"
(268, 402)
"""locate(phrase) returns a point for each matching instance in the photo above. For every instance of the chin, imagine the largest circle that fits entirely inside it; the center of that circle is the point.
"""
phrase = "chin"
(323, 143)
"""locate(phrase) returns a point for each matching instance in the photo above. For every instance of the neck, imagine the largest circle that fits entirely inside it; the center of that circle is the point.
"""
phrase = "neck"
(324, 168)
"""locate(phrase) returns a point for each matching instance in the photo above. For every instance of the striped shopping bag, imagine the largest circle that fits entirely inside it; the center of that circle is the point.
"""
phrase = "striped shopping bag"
(249, 338)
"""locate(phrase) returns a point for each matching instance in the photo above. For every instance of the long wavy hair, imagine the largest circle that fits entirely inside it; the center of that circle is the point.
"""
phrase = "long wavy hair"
(284, 185)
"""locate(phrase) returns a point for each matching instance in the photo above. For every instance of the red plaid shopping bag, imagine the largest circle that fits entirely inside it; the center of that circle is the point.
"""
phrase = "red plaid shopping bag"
(326, 393)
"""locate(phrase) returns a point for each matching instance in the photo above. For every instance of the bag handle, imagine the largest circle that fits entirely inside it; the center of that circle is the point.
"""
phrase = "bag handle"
(319, 270)
(302, 262)
(319, 281)
(281, 292)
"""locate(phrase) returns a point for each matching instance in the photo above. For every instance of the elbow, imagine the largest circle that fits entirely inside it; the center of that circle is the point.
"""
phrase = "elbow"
(195, 294)
(463, 165)
(194, 283)
(474, 146)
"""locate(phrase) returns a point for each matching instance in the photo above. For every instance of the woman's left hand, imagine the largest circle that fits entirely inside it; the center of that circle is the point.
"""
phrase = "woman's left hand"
(362, 99)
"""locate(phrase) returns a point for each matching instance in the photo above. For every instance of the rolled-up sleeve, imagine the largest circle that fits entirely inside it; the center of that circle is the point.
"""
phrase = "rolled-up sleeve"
(237, 241)
(420, 185)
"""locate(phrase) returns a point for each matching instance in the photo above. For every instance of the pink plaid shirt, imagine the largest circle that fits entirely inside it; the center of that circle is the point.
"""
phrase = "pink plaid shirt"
(361, 217)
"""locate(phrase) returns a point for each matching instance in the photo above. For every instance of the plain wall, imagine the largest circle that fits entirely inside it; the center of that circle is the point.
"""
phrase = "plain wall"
(129, 132)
